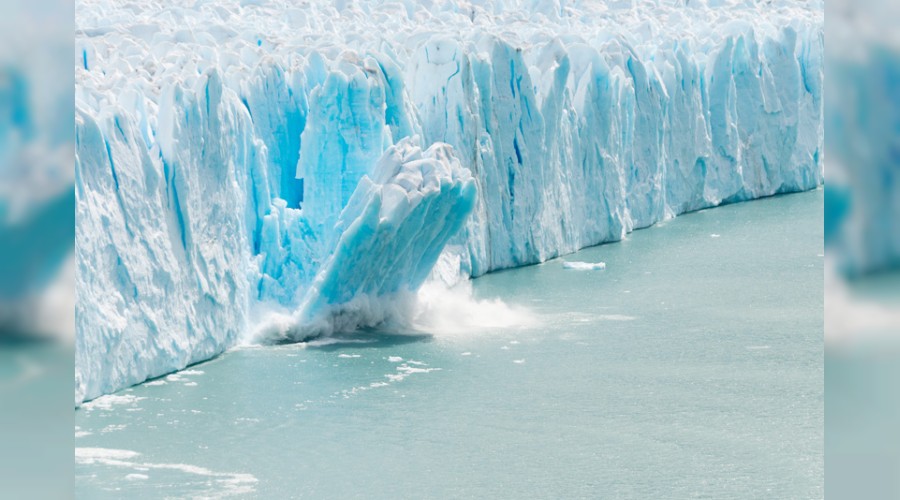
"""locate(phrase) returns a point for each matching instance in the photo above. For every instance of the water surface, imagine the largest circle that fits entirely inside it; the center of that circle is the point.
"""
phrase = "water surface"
(690, 367)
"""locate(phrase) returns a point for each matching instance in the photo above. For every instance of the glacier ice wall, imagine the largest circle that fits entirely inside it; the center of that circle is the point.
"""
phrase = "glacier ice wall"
(162, 241)
(862, 211)
(234, 164)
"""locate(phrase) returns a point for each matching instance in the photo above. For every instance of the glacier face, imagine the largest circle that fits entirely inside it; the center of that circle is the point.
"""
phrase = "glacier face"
(239, 161)
(863, 112)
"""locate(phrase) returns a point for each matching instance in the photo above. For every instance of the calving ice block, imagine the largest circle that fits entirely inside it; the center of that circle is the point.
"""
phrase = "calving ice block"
(392, 231)
(231, 157)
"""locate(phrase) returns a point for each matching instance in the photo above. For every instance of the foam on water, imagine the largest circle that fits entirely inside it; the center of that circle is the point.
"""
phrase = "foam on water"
(615, 317)
(436, 309)
(852, 319)
(223, 484)
(454, 311)
(111, 400)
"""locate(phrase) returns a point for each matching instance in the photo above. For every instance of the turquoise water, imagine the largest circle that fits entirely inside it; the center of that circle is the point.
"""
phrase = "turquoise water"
(863, 409)
(690, 367)
(863, 424)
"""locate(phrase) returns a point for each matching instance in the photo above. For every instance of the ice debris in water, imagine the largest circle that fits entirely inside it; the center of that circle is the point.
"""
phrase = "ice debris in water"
(306, 168)
(585, 266)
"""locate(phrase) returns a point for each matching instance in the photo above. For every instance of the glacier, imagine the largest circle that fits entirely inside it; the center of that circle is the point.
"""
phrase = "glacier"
(862, 213)
(256, 171)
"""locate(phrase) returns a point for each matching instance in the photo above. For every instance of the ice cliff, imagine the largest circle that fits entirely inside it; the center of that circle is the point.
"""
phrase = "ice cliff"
(259, 168)
(862, 211)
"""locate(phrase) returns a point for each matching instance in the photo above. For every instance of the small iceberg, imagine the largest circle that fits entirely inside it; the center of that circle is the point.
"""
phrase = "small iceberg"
(585, 266)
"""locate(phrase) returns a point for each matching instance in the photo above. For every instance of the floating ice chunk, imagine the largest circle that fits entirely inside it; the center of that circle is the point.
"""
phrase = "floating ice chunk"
(412, 369)
(227, 484)
(85, 455)
(111, 400)
(585, 266)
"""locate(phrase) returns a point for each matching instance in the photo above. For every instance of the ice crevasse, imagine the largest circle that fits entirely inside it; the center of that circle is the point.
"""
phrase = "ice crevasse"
(259, 168)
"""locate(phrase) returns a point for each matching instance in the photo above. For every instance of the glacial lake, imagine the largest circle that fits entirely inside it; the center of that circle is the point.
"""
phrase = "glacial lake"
(692, 366)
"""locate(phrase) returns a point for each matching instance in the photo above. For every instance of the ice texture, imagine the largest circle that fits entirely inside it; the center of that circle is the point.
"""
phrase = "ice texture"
(862, 203)
(243, 161)
(392, 230)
